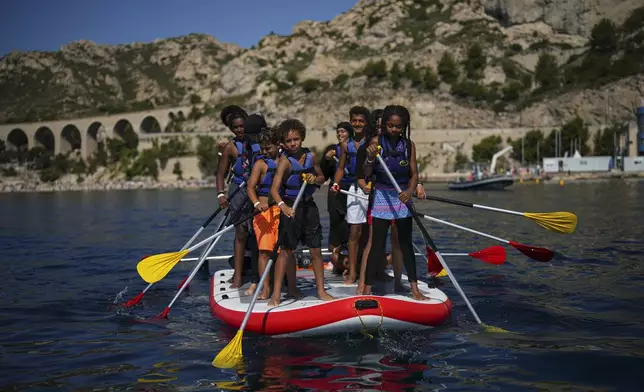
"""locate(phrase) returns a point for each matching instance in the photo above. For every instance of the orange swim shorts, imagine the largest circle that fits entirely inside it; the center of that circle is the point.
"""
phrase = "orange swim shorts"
(266, 226)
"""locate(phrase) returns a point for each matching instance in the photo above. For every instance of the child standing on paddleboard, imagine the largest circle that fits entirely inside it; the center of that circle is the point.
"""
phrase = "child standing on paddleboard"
(265, 224)
(345, 178)
(399, 155)
(336, 202)
(242, 151)
(302, 225)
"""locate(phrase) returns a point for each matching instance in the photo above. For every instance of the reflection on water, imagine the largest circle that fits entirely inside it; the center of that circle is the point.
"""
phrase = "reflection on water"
(68, 257)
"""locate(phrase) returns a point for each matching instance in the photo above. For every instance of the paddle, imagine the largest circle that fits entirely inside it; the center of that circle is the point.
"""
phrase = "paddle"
(430, 244)
(231, 355)
(154, 268)
(207, 222)
(221, 224)
(494, 255)
(560, 222)
(534, 252)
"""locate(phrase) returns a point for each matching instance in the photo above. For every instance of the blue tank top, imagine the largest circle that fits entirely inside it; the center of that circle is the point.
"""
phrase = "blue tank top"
(294, 181)
(397, 160)
(266, 183)
(245, 159)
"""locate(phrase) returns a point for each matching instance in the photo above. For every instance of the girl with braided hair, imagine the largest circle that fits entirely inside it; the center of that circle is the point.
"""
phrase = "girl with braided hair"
(399, 155)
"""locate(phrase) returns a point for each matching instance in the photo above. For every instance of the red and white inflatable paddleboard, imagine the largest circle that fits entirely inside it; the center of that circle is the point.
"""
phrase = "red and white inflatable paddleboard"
(309, 316)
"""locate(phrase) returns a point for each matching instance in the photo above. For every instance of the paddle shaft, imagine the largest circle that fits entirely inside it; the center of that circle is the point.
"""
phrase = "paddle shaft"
(472, 205)
(346, 171)
(465, 228)
(269, 264)
(221, 224)
(203, 226)
(194, 271)
(429, 241)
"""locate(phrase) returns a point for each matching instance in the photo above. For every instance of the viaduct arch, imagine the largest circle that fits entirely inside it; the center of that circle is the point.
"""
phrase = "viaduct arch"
(84, 134)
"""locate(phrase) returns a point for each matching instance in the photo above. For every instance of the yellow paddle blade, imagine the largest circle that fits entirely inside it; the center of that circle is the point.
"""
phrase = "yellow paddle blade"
(442, 273)
(231, 356)
(154, 268)
(491, 328)
(561, 222)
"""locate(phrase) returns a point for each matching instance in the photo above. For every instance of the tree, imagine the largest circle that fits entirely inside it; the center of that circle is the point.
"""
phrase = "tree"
(475, 62)
(604, 140)
(604, 37)
(430, 80)
(533, 147)
(547, 71)
(447, 68)
(486, 148)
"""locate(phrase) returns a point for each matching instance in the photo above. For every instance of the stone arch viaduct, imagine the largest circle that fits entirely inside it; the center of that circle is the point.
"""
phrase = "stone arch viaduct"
(63, 136)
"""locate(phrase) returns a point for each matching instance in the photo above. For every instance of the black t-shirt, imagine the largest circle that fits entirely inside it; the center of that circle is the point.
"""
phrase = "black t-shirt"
(328, 166)
(361, 156)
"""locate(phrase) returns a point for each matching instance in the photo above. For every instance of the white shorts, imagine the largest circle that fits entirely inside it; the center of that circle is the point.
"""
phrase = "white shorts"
(356, 207)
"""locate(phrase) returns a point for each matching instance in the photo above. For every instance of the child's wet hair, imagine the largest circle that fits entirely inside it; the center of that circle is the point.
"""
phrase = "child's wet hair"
(403, 113)
(360, 110)
(291, 125)
(270, 136)
(231, 113)
(346, 126)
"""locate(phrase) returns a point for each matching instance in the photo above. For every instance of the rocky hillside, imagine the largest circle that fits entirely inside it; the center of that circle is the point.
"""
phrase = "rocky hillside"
(455, 63)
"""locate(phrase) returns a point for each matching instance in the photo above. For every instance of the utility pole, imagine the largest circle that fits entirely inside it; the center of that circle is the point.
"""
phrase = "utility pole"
(538, 161)
(523, 150)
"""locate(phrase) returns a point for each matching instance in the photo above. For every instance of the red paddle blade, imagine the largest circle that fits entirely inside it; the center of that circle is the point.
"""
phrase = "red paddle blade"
(492, 255)
(182, 282)
(534, 252)
(134, 301)
(434, 266)
(163, 315)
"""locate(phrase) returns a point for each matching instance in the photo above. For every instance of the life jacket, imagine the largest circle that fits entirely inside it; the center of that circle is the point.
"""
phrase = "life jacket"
(293, 182)
(397, 160)
(245, 159)
(264, 187)
(350, 166)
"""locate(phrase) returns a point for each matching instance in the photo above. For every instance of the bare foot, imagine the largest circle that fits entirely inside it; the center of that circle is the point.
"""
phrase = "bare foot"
(237, 282)
(417, 295)
(324, 296)
(349, 279)
(251, 289)
(294, 294)
(360, 289)
(400, 289)
(273, 302)
(266, 294)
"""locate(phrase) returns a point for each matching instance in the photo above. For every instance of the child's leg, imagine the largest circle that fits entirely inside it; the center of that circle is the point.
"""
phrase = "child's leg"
(396, 257)
(288, 236)
(241, 235)
(363, 263)
(280, 268)
(291, 278)
(405, 228)
(355, 232)
(263, 260)
(377, 252)
(312, 238)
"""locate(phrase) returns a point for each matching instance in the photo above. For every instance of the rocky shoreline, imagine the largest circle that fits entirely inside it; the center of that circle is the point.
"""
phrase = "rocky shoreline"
(13, 184)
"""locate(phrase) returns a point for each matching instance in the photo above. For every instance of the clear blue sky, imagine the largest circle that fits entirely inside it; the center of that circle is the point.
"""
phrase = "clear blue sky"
(46, 25)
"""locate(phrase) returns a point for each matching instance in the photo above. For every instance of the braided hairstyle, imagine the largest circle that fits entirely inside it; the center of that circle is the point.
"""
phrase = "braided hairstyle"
(376, 115)
(403, 113)
(231, 113)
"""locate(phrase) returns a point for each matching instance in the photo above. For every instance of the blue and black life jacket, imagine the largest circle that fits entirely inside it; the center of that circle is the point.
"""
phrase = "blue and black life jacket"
(245, 159)
(350, 164)
(294, 181)
(397, 160)
(264, 187)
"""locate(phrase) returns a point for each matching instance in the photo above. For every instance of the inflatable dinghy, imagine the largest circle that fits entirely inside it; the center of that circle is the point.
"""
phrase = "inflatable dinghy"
(309, 316)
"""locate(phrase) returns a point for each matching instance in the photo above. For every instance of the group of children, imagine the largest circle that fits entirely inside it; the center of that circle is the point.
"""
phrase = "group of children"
(270, 165)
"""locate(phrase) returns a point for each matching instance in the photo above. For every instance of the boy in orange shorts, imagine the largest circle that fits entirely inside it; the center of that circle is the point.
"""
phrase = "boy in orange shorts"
(267, 222)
